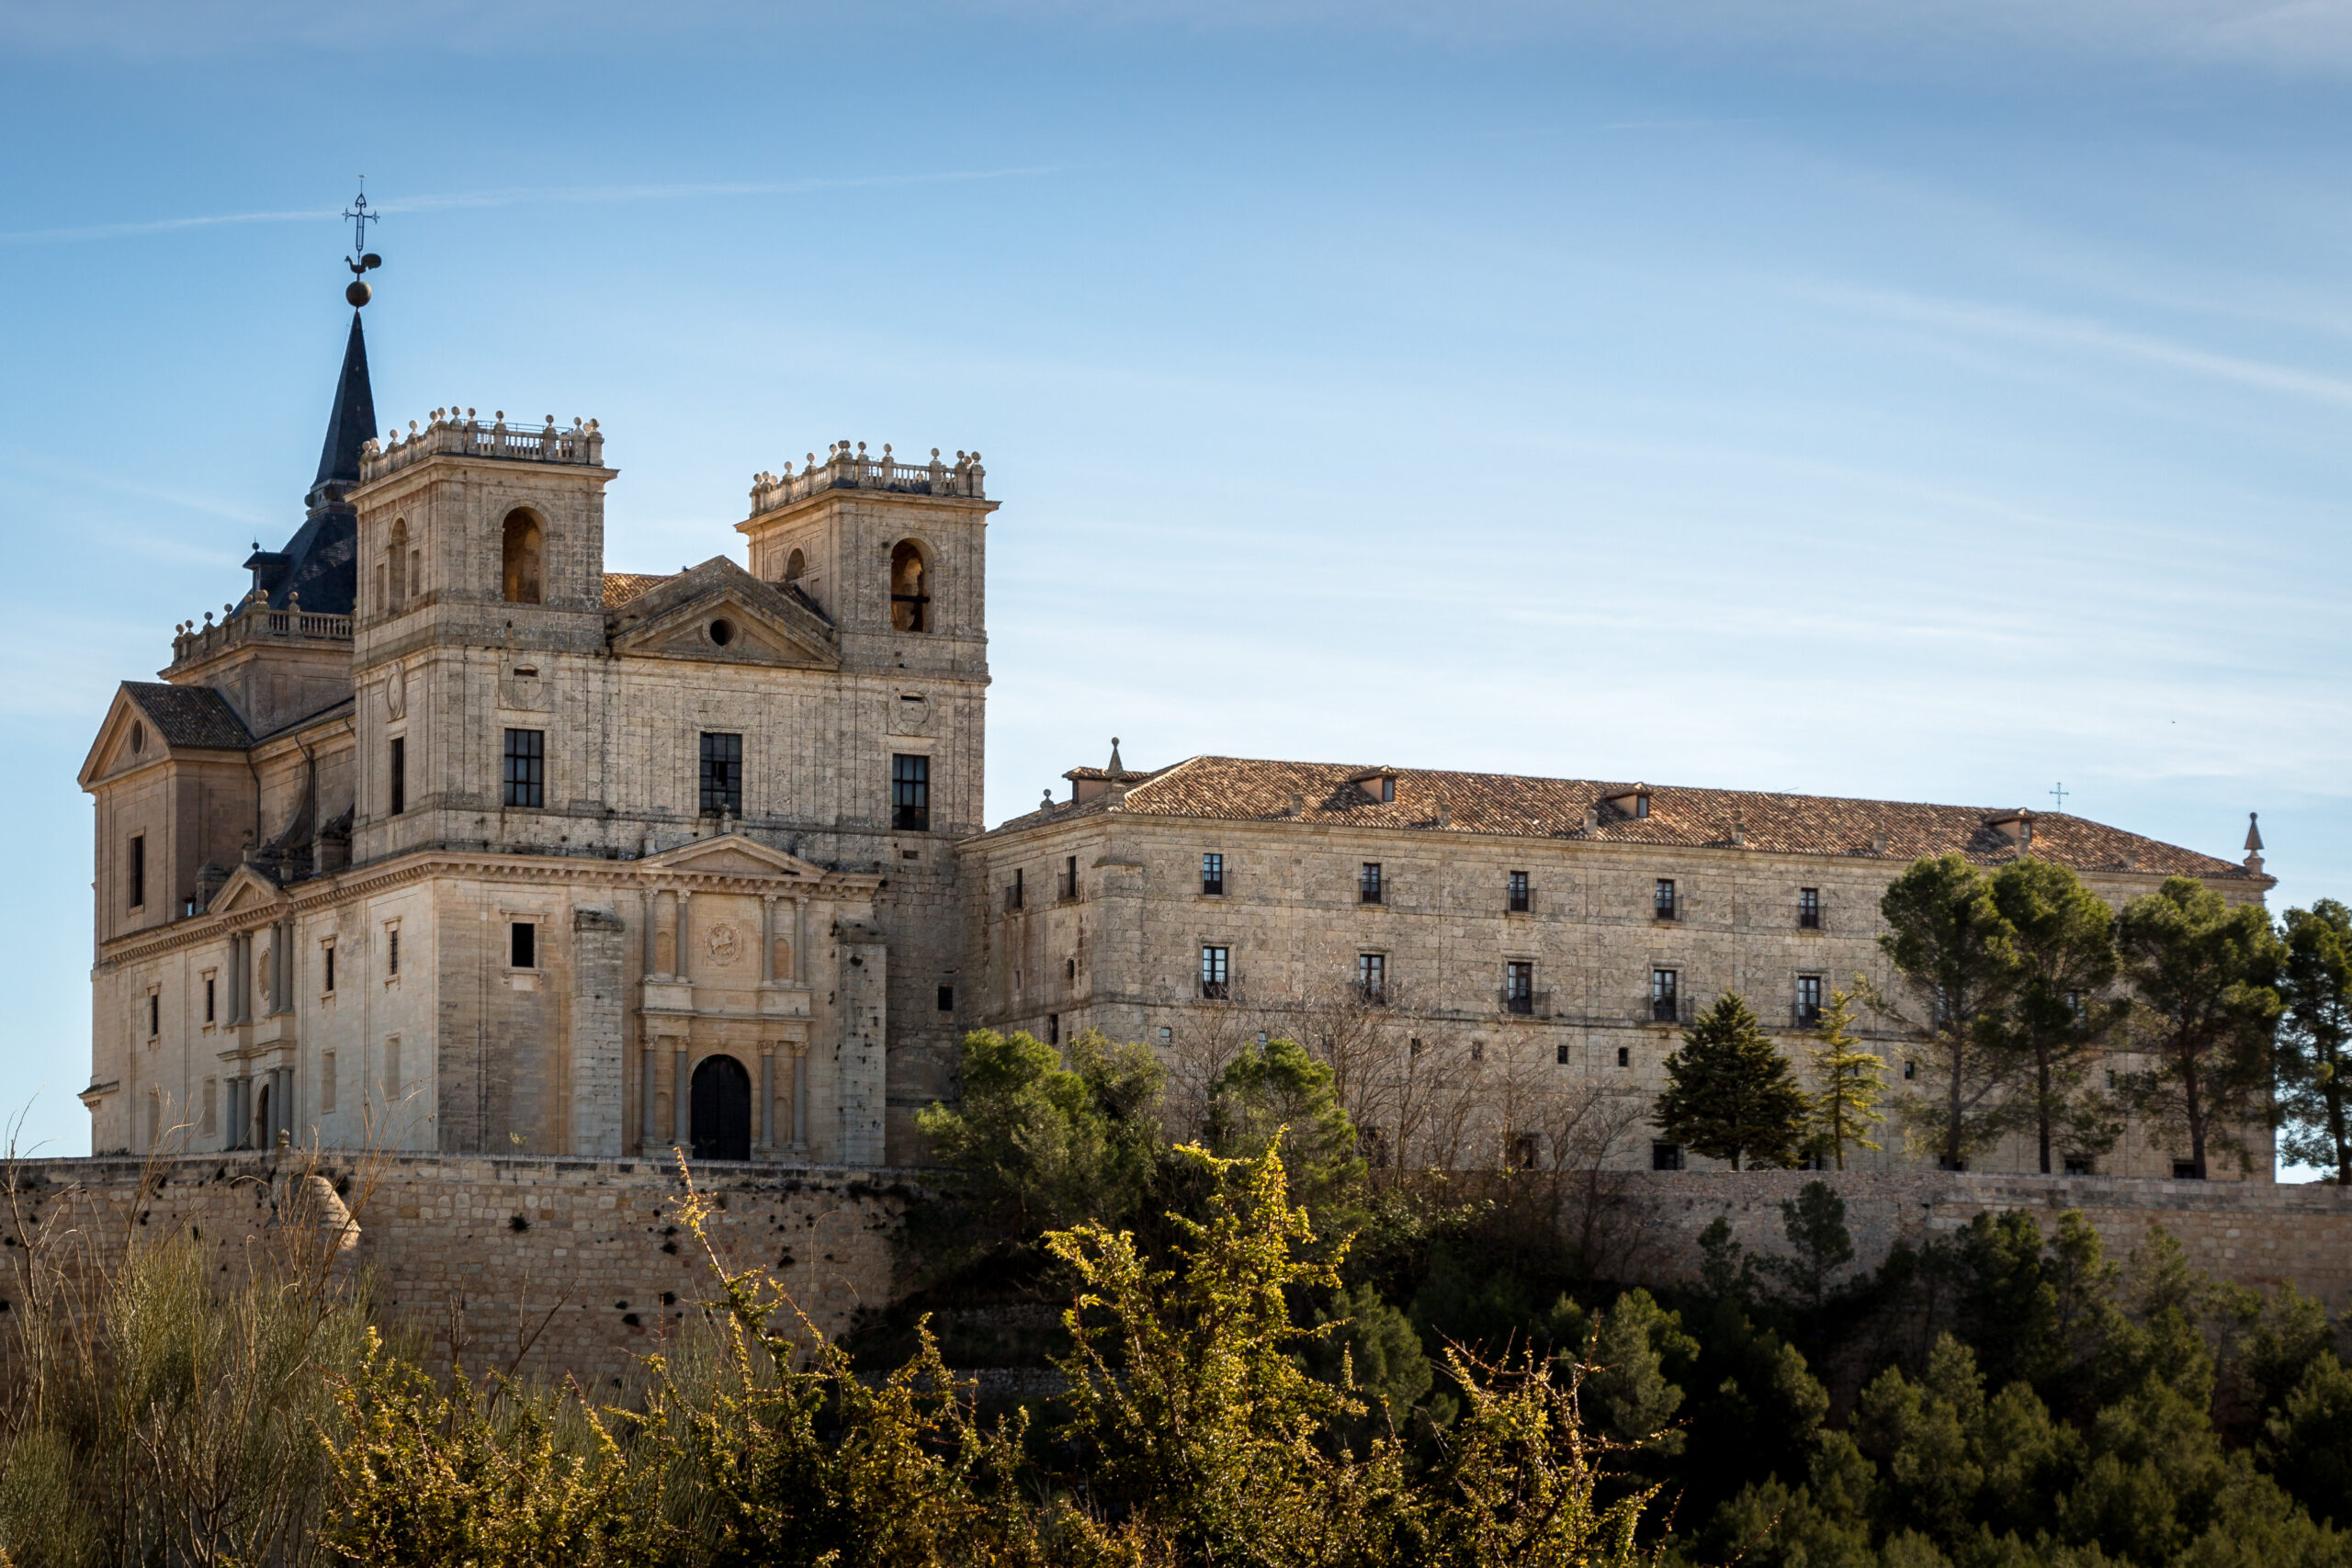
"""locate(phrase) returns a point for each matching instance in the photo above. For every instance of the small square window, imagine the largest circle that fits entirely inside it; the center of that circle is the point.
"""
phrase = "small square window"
(523, 944)
(1165, 1034)
(1624, 1056)
(2184, 1170)
(1560, 1054)
(2078, 1165)
(947, 999)
(1666, 1156)
(1213, 875)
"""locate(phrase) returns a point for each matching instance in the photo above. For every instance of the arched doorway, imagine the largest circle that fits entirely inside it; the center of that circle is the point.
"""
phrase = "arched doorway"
(257, 1135)
(722, 1110)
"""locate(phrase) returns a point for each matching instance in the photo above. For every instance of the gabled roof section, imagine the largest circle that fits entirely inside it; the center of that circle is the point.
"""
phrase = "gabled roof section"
(673, 619)
(245, 891)
(620, 587)
(1242, 789)
(183, 718)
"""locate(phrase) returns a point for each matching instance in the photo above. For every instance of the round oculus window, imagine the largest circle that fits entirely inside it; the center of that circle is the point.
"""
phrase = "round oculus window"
(722, 632)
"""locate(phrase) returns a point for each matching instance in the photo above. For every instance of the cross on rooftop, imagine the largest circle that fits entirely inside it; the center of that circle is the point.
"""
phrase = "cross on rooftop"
(2058, 793)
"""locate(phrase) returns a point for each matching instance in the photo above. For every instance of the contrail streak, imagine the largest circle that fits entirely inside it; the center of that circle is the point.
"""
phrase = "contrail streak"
(514, 197)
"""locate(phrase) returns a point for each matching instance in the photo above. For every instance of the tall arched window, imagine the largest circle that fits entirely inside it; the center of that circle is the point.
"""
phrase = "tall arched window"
(909, 589)
(794, 566)
(521, 569)
(396, 593)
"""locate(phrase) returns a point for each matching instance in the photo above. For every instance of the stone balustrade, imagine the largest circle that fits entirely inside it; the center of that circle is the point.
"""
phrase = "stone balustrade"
(463, 435)
(251, 621)
(844, 468)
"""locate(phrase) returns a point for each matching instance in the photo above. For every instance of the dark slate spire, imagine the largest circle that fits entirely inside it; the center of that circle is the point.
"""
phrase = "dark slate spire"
(349, 424)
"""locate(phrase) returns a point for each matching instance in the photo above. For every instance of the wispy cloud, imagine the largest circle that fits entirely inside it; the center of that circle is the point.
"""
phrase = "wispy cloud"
(2067, 331)
(517, 196)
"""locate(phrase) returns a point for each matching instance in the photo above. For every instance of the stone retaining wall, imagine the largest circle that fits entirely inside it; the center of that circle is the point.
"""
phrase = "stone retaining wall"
(555, 1266)
(2251, 1232)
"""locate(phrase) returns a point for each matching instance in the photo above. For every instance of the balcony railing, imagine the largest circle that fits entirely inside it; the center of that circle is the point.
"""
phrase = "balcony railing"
(1810, 918)
(844, 470)
(1671, 1010)
(252, 621)
(1220, 990)
(1667, 907)
(1524, 1004)
(1804, 1015)
(450, 434)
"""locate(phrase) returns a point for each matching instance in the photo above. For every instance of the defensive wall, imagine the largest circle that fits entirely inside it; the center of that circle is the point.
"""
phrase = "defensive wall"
(568, 1267)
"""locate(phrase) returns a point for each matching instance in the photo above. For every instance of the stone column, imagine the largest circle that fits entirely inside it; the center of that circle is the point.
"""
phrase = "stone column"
(649, 1109)
(665, 923)
(767, 1097)
(680, 1106)
(684, 932)
(801, 1097)
(767, 938)
(800, 940)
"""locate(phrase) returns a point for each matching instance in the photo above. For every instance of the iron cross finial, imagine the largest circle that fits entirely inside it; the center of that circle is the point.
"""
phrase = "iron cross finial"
(359, 260)
(2058, 793)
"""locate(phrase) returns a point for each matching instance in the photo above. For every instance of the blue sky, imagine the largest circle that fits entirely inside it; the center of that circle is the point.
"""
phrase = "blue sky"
(1926, 401)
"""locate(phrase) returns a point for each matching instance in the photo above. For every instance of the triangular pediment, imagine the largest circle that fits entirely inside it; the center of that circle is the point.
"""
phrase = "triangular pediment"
(148, 721)
(719, 614)
(246, 891)
(733, 854)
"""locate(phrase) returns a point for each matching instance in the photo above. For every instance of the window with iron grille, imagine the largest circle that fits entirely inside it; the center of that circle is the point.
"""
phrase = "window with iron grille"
(1371, 975)
(910, 794)
(1368, 883)
(1518, 893)
(1518, 986)
(1662, 902)
(527, 767)
(1216, 974)
(397, 766)
(723, 775)
(1808, 1001)
(1212, 874)
(1809, 909)
(1665, 999)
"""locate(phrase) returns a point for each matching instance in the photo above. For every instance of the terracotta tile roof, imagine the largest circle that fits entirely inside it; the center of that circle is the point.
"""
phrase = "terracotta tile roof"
(1241, 789)
(195, 716)
(620, 587)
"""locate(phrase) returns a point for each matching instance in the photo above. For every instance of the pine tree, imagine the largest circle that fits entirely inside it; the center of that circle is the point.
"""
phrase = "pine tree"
(1730, 1093)
(2063, 935)
(1853, 1082)
(2316, 1039)
(1956, 955)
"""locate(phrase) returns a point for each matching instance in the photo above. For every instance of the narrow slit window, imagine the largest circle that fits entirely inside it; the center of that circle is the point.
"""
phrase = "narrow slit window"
(396, 770)
(138, 871)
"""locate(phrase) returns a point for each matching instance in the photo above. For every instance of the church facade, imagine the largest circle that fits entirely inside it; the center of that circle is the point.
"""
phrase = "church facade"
(445, 838)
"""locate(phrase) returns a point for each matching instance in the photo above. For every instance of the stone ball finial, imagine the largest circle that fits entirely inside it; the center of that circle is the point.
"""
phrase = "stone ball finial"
(358, 294)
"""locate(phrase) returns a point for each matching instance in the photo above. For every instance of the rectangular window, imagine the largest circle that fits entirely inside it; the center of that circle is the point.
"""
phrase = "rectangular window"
(1014, 891)
(391, 953)
(211, 1123)
(212, 1004)
(1560, 1054)
(1666, 1156)
(1808, 1008)
(2078, 1165)
(2184, 1170)
(1665, 996)
(396, 770)
(326, 1081)
(1217, 978)
(523, 944)
(155, 1015)
(1368, 883)
(1519, 986)
(1624, 1056)
(1070, 878)
(1371, 976)
(393, 1067)
(326, 967)
(1213, 875)
(1910, 1070)
(910, 794)
(947, 999)
(1053, 1029)
(1517, 903)
(527, 769)
(139, 870)
(723, 775)
(1662, 900)
(1809, 909)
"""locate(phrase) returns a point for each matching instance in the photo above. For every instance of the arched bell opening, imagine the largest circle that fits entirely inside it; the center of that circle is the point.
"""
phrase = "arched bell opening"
(520, 569)
(910, 588)
(721, 1109)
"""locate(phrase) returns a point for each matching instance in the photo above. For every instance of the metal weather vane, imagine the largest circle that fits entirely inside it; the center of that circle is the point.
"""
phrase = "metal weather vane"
(362, 259)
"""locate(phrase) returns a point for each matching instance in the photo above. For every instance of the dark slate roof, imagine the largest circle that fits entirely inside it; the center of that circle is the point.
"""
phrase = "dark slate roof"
(1248, 789)
(196, 717)
(352, 419)
(321, 562)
